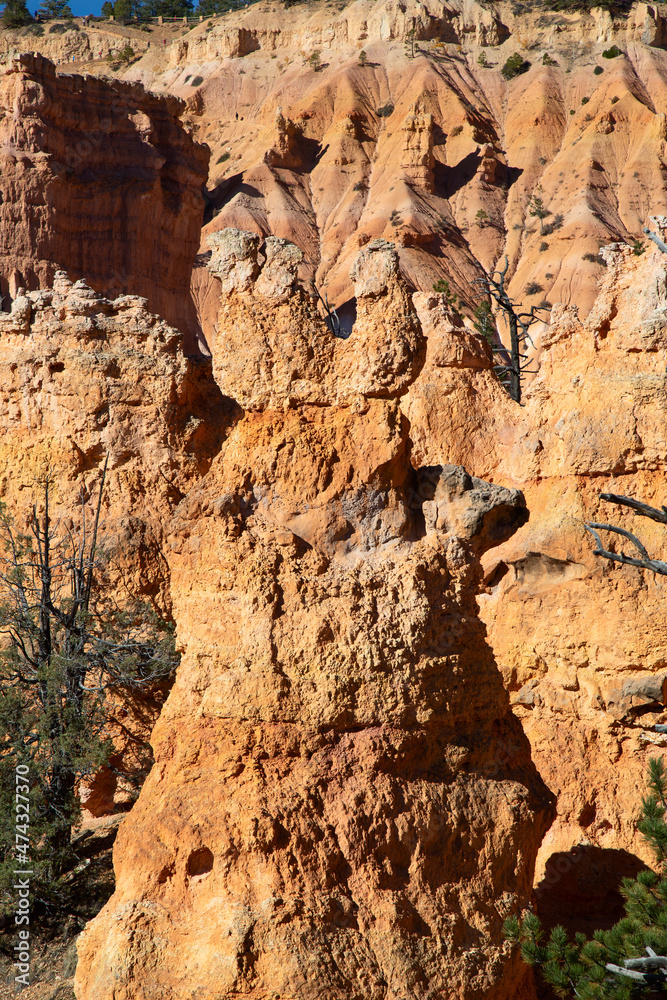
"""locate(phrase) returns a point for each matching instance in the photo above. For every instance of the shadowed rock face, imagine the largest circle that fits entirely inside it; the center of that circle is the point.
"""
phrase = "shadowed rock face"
(342, 805)
(102, 180)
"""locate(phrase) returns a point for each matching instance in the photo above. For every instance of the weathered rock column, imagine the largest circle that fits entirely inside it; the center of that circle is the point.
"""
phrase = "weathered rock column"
(343, 805)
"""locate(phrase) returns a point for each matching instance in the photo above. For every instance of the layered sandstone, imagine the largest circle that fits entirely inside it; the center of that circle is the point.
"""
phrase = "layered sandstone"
(581, 642)
(99, 178)
(342, 803)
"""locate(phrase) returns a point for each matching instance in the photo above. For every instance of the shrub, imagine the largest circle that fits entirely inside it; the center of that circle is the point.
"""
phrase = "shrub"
(197, 81)
(385, 111)
(359, 186)
(595, 258)
(126, 54)
(585, 100)
(638, 248)
(571, 111)
(533, 287)
(514, 66)
(612, 53)
(549, 276)
(548, 61)
(543, 246)
(395, 218)
(57, 29)
(456, 131)
(598, 70)
(481, 218)
(614, 100)
(224, 157)
(363, 58)
(544, 304)
(552, 226)
(482, 60)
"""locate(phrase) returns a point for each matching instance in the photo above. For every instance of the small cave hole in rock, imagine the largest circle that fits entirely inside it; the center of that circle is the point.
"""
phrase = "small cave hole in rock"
(200, 862)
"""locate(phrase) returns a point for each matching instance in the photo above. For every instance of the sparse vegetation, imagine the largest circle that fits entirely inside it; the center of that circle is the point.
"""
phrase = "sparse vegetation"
(551, 227)
(224, 157)
(612, 53)
(395, 218)
(548, 61)
(482, 60)
(638, 247)
(533, 288)
(628, 960)
(456, 131)
(585, 100)
(359, 186)
(67, 647)
(614, 100)
(598, 71)
(595, 258)
(197, 81)
(543, 246)
(385, 111)
(443, 288)
(515, 65)
(537, 209)
(315, 61)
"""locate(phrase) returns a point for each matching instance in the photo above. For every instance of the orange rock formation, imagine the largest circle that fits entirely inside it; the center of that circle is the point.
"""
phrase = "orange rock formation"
(581, 643)
(99, 179)
(343, 804)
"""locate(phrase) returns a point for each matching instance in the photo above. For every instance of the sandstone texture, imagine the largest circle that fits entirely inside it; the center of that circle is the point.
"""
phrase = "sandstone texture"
(84, 378)
(581, 642)
(343, 804)
(102, 180)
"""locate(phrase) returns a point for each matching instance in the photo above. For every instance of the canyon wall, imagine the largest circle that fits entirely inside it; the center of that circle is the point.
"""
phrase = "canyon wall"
(581, 642)
(342, 803)
(437, 153)
(99, 179)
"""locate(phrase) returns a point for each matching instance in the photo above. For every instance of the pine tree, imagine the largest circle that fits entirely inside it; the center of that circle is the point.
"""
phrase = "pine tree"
(629, 960)
(66, 646)
(16, 14)
(55, 9)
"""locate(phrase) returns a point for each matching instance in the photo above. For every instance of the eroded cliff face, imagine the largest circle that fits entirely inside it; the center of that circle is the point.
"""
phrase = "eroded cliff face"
(343, 804)
(333, 154)
(84, 378)
(582, 643)
(100, 179)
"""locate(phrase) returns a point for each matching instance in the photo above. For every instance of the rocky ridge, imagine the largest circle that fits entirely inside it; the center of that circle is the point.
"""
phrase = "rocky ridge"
(333, 153)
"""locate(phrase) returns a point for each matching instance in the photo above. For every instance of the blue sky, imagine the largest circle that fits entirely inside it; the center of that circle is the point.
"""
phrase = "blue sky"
(79, 7)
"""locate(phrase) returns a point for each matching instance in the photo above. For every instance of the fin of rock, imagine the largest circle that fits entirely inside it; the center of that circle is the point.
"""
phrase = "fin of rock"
(342, 803)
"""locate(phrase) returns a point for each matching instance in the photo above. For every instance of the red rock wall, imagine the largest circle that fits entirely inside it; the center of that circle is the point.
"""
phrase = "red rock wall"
(100, 179)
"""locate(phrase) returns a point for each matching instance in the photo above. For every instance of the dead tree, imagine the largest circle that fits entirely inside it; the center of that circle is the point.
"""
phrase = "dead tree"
(643, 561)
(330, 314)
(515, 363)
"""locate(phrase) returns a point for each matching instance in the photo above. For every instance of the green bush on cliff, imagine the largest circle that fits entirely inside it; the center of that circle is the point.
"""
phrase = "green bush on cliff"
(515, 65)
(67, 649)
(630, 960)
